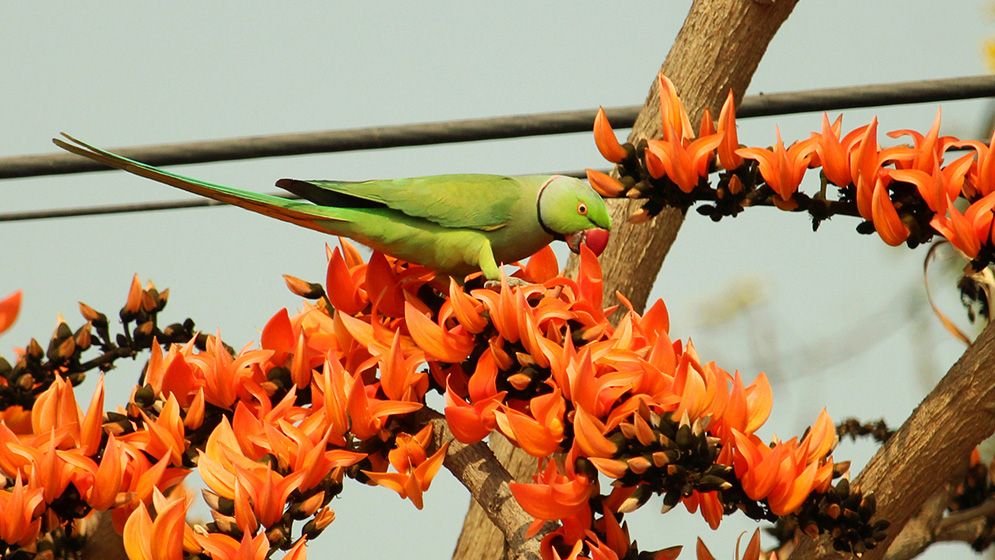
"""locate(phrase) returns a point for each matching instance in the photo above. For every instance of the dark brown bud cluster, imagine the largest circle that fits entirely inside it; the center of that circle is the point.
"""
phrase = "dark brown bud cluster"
(976, 489)
(854, 428)
(844, 513)
(660, 456)
(668, 458)
(69, 352)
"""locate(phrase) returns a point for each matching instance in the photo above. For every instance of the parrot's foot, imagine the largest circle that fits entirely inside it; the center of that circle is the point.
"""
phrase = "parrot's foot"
(512, 282)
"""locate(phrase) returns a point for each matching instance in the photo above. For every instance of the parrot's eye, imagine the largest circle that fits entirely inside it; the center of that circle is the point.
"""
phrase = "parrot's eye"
(582, 209)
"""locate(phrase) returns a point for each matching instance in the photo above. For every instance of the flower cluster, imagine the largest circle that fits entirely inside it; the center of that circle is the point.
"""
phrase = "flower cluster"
(330, 392)
(907, 193)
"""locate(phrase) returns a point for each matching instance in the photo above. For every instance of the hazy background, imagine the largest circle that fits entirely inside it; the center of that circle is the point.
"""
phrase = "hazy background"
(839, 320)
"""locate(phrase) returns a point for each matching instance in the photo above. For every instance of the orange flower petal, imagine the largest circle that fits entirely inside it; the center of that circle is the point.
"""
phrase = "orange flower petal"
(542, 266)
(606, 185)
(730, 141)
(589, 436)
(9, 308)
(886, 220)
(605, 140)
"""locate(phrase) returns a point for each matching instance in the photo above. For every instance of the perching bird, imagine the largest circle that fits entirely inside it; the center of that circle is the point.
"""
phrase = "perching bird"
(454, 224)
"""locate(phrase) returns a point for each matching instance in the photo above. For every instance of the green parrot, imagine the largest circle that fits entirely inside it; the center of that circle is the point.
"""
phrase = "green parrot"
(453, 224)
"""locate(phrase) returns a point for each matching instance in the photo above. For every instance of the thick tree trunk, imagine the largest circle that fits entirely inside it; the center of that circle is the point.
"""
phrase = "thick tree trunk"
(717, 49)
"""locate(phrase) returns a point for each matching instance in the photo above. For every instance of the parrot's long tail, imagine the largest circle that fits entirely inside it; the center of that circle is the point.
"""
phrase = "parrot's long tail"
(300, 213)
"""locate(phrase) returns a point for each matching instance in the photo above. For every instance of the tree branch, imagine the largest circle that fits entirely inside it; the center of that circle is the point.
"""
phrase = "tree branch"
(482, 474)
(931, 448)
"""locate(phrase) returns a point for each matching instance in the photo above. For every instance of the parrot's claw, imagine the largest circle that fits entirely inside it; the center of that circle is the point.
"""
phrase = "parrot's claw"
(510, 280)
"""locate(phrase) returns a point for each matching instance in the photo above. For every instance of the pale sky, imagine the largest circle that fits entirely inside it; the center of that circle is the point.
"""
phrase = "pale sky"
(833, 329)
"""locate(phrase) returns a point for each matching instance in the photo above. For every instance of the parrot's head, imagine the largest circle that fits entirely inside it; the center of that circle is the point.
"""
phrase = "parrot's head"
(569, 209)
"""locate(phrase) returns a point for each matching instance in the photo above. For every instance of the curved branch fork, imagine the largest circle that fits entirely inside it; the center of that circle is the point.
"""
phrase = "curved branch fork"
(931, 448)
(479, 471)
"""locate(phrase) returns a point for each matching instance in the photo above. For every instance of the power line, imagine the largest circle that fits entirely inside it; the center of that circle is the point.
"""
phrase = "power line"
(469, 130)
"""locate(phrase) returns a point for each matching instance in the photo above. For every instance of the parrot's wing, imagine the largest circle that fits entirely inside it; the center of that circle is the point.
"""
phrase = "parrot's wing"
(484, 202)
(300, 213)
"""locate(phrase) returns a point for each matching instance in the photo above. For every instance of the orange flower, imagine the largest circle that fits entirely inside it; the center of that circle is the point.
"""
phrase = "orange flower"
(108, 478)
(164, 436)
(782, 168)
(439, 343)
(833, 154)
(134, 302)
(141, 478)
(20, 513)
(466, 309)
(342, 285)
(218, 459)
(329, 392)
(746, 409)
(555, 496)
(970, 230)
(297, 552)
(17, 419)
(45, 466)
(938, 188)
(368, 415)
(471, 423)
(399, 375)
(252, 547)
(279, 336)
(710, 504)
(685, 165)
(162, 539)
(224, 378)
(540, 433)
(9, 308)
(926, 152)
(415, 470)
(605, 140)
(266, 490)
(784, 475)
(55, 411)
(982, 177)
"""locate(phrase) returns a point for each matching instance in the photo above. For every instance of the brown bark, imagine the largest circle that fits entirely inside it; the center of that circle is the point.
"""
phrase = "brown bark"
(472, 539)
(717, 49)
(931, 448)
(931, 526)
(487, 481)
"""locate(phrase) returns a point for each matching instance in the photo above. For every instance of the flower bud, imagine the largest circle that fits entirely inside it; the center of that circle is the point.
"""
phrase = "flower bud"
(34, 350)
(134, 302)
(520, 380)
(83, 337)
(303, 288)
(98, 319)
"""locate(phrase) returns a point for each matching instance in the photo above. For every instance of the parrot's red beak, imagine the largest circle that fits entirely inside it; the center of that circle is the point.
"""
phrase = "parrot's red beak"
(595, 239)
